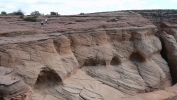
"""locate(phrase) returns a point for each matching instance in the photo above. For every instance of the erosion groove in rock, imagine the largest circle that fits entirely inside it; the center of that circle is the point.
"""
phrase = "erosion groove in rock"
(170, 48)
(99, 56)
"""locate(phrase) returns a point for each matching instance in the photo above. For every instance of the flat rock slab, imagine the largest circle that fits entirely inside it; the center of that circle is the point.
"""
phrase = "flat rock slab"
(8, 80)
(90, 95)
(156, 95)
(172, 89)
(5, 71)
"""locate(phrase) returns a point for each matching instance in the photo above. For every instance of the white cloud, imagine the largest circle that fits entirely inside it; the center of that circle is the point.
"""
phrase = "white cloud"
(154, 7)
(88, 6)
(173, 1)
(72, 6)
(10, 6)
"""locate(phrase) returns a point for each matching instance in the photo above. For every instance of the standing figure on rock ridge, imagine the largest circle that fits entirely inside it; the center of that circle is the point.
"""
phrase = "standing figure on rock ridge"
(42, 23)
(46, 21)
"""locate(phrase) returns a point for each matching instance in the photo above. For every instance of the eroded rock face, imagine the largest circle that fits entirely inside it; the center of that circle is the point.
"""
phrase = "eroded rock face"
(168, 39)
(135, 59)
(100, 59)
(12, 87)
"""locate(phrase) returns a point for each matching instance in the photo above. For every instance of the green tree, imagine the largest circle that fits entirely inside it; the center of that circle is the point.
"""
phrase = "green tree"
(35, 13)
(3, 13)
(19, 12)
(81, 13)
(54, 13)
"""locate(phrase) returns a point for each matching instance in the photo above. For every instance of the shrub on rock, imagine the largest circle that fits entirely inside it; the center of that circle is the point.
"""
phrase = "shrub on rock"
(31, 19)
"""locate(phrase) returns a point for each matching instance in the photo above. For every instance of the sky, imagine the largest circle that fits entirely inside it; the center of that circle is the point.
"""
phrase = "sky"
(70, 7)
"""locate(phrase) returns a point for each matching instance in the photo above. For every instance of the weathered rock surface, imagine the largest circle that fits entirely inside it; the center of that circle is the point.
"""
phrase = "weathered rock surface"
(166, 94)
(166, 23)
(102, 56)
(12, 87)
(159, 16)
(168, 39)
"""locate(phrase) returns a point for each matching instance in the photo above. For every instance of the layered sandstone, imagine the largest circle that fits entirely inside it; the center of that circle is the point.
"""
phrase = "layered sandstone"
(101, 56)
(159, 16)
(168, 38)
(12, 87)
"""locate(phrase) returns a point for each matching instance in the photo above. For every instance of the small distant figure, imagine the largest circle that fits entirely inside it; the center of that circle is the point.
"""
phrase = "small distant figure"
(42, 24)
(46, 21)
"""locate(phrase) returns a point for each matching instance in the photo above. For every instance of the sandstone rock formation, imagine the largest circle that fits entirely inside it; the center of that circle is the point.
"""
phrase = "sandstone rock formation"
(168, 39)
(166, 23)
(101, 56)
(158, 16)
(12, 87)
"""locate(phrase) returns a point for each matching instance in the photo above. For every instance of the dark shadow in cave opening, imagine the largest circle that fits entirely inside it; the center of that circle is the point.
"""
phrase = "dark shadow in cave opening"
(115, 61)
(47, 78)
(94, 62)
(164, 53)
(137, 57)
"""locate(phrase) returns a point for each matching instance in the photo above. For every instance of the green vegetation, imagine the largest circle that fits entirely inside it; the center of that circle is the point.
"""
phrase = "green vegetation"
(35, 13)
(113, 20)
(164, 11)
(31, 19)
(21, 16)
(19, 12)
(33, 16)
(54, 13)
(81, 13)
(3, 13)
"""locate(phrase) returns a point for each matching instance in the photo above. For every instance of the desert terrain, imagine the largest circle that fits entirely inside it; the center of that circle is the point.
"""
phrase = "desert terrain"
(123, 55)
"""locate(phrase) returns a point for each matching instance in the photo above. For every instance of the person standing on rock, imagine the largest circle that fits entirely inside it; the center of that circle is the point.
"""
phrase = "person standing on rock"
(42, 23)
(46, 21)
